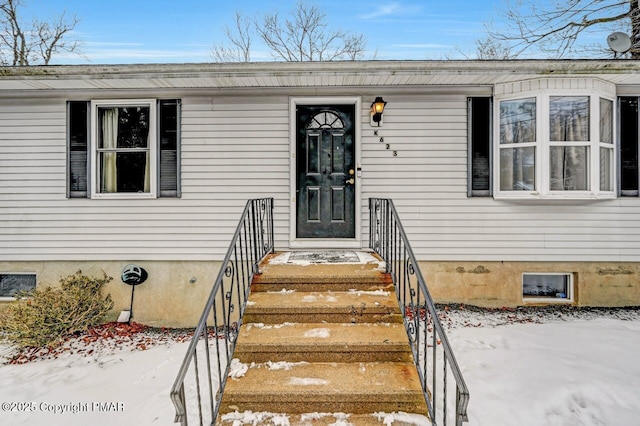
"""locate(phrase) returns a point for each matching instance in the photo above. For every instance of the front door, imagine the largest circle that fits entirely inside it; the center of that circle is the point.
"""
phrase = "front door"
(325, 189)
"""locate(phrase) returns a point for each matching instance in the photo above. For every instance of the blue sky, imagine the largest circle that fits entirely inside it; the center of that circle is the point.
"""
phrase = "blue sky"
(161, 31)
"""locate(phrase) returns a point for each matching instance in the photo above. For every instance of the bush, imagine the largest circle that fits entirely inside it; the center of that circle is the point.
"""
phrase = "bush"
(43, 316)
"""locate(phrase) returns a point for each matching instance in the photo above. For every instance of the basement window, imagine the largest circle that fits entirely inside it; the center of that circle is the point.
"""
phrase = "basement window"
(547, 287)
(10, 284)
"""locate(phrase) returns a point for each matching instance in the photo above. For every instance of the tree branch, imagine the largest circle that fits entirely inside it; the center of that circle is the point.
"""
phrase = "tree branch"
(556, 30)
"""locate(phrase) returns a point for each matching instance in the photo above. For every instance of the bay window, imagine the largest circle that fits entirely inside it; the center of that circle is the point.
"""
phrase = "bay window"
(555, 143)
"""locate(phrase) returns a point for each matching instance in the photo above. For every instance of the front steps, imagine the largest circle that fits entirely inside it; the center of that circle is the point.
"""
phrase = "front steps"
(324, 338)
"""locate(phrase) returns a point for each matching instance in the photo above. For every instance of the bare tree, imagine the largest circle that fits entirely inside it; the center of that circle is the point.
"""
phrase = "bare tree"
(556, 29)
(490, 48)
(22, 44)
(304, 36)
(240, 39)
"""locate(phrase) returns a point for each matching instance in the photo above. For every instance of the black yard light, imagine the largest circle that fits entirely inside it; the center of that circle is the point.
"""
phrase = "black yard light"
(132, 275)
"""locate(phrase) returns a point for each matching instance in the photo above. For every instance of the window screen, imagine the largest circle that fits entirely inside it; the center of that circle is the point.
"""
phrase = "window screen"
(10, 284)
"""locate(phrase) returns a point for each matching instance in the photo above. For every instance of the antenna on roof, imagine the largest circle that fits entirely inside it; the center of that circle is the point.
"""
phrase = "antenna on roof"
(618, 42)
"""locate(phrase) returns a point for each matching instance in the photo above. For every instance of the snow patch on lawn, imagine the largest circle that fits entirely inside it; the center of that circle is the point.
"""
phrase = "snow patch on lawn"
(525, 367)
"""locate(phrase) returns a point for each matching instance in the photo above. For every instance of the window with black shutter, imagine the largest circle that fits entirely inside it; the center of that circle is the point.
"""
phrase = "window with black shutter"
(127, 148)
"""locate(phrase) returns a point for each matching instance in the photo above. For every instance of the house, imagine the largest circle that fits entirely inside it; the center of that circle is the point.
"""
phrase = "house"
(517, 181)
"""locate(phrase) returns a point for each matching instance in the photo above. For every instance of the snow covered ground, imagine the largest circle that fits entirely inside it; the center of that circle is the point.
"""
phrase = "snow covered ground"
(523, 367)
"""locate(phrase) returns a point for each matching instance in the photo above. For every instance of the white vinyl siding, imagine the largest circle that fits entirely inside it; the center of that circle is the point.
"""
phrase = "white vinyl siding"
(428, 183)
(232, 150)
(237, 147)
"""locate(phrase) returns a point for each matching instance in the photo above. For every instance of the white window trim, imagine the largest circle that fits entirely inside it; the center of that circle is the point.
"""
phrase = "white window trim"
(550, 300)
(152, 104)
(543, 144)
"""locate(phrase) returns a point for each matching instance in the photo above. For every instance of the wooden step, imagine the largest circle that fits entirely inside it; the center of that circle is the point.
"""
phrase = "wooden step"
(356, 388)
(348, 307)
(323, 342)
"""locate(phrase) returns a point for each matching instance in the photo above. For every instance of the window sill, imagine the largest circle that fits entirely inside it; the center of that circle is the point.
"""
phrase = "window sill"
(579, 196)
(124, 196)
(547, 301)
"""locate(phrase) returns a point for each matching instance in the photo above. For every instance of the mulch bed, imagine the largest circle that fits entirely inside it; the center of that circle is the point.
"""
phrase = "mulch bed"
(106, 338)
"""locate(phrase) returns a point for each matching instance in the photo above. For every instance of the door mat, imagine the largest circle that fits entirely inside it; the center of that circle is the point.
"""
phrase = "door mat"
(324, 257)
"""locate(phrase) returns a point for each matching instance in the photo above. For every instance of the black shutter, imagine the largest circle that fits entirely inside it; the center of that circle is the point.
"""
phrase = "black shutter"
(629, 178)
(169, 148)
(479, 134)
(78, 143)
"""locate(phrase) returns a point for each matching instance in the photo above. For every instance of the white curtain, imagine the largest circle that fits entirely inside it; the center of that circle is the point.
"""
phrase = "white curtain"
(517, 125)
(109, 141)
(569, 122)
(147, 168)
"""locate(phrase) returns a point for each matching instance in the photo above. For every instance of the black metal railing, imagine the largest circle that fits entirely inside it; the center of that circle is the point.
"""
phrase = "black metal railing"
(197, 390)
(432, 352)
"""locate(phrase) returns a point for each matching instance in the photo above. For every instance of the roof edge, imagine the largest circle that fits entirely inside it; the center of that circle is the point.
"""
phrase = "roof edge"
(513, 67)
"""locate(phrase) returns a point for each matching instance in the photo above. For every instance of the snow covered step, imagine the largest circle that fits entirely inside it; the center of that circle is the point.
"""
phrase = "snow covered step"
(324, 419)
(321, 277)
(355, 306)
(323, 342)
(356, 388)
(323, 338)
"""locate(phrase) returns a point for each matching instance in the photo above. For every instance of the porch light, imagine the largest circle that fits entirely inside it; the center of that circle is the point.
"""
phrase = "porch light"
(377, 108)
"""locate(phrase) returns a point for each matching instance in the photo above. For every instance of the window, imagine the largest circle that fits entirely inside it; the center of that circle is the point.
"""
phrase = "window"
(518, 136)
(10, 284)
(124, 148)
(547, 287)
(479, 135)
(629, 124)
(555, 145)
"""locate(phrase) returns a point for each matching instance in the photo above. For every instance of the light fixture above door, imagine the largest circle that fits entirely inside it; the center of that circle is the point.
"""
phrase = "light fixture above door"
(377, 108)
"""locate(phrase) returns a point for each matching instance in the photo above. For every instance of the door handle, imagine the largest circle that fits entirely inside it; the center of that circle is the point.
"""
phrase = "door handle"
(350, 181)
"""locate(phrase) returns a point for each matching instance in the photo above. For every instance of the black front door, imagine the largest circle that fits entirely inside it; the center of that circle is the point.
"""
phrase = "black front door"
(325, 172)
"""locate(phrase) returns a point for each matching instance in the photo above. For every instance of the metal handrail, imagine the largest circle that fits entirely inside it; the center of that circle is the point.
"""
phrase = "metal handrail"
(432, 352)
(221, 318)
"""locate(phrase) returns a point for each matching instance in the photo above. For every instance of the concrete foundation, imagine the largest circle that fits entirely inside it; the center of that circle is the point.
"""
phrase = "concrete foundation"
(497, 284)
(176, 291)
(173, 295)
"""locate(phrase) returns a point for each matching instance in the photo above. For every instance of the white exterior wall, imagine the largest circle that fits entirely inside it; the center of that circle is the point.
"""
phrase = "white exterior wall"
(428, 183)
(237, 147)
(231, 151)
